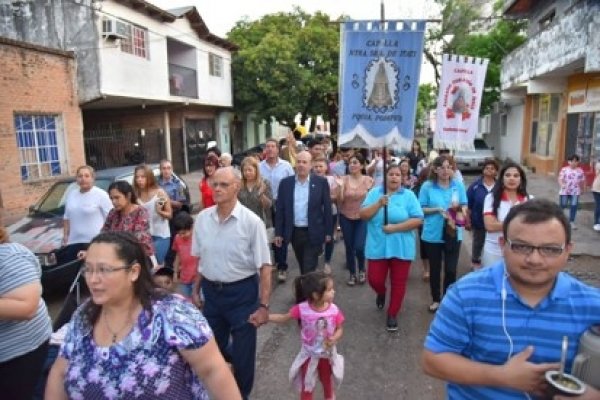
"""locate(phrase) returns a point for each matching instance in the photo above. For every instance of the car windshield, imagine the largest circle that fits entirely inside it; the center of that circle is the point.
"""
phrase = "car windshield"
(480, 145)
(53, 202)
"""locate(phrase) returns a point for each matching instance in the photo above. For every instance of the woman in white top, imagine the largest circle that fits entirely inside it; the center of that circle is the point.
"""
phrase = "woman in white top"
(158, 204)
(510, 190)
(85, 212)
(596, 193)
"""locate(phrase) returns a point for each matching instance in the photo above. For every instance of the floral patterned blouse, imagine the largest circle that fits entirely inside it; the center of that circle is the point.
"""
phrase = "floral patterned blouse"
(146, 364)
(136, 222)
(571, 180)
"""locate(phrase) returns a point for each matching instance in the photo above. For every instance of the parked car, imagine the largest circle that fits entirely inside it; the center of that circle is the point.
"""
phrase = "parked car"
(473, 160)
(41, 231)
(237, 158)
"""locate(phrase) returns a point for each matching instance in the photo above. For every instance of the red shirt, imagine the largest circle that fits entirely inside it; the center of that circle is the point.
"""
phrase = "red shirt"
(207, 194)
(188, 264)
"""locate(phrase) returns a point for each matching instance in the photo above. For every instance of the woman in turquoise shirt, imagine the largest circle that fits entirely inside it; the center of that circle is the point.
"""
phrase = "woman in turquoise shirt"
(437, 195)
(390, 248)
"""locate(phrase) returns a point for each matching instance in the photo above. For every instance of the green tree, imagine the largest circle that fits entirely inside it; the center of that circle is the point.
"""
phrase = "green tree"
(286, 63)
(426, 101)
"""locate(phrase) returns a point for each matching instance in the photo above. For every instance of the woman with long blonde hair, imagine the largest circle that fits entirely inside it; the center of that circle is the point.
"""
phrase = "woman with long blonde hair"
(255, 192)
(158, 204)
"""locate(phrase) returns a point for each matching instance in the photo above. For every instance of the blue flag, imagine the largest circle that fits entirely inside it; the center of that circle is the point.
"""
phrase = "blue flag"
(379, 68)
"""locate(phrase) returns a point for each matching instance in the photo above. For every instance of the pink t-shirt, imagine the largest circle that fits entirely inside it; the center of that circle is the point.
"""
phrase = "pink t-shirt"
(572, 178)
(316, 326)
(354, 196)
(188, 264)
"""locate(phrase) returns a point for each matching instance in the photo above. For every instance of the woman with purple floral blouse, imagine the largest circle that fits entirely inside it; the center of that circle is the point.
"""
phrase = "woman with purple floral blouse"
(132, 340)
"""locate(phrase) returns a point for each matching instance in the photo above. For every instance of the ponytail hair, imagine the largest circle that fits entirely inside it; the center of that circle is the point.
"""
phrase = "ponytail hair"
(305, 286)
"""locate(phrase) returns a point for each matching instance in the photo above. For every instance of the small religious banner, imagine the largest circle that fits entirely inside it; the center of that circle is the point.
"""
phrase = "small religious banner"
(380, 65)
(458, 103)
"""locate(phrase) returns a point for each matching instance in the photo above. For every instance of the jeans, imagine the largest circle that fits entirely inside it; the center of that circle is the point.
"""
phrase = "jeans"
(280, 253)
(331, 243)
(355, 236)
(597, 209)
(161, 247)
(478, 236)
(437, 253)
(565, 199)
(227, 309)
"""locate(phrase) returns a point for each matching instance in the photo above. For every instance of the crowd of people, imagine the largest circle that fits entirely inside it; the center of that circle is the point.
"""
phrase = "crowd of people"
(176, 301)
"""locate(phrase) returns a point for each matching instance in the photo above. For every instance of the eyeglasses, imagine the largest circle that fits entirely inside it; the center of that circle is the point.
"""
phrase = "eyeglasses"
(101, 270)
(527, 249)
(223, 185)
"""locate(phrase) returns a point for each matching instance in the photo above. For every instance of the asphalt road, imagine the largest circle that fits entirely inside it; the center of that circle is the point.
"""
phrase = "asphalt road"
(378, 364)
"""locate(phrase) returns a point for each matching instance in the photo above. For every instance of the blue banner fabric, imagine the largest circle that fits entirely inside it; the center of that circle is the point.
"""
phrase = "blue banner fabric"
(380, 65)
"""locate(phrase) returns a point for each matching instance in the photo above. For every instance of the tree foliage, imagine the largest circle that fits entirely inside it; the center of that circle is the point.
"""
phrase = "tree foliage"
(426, 101)
(286, 63)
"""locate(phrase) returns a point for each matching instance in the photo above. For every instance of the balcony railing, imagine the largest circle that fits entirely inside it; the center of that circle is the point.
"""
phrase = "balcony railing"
(183, 81)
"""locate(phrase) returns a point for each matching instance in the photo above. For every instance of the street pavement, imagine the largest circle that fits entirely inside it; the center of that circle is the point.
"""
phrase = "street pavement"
(379, 365)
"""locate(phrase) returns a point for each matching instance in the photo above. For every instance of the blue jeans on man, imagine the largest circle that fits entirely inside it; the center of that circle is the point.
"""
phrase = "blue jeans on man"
(227, 308)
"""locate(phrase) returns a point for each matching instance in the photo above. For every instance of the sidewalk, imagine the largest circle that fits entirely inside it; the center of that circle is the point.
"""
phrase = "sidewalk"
(586, 240)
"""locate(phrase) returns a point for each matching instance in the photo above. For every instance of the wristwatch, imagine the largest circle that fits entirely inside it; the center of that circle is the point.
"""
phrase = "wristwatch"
(263, 305)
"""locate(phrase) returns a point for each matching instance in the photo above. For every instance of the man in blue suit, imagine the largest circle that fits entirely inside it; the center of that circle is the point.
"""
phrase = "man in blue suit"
(303, 214)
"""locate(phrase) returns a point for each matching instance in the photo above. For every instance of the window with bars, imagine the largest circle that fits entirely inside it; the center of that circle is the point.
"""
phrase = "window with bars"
(136, 42)
(215, 65)
(40, 145)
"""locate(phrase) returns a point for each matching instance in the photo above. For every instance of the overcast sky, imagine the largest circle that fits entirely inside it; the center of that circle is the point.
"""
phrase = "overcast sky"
(221, 15)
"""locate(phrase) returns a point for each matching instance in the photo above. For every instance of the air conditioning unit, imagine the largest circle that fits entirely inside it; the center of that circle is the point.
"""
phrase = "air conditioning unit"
(115, 29)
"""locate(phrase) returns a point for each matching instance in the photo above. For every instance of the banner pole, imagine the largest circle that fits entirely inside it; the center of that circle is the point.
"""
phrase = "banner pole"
(384, 155)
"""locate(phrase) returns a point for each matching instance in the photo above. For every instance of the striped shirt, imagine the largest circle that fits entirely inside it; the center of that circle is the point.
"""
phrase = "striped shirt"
(469, 323)
(18, 267)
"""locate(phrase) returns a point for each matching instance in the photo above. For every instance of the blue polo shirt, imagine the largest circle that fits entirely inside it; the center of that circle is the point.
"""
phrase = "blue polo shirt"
(469, 323)
(402, 205)
(433, 195)
(476, 195)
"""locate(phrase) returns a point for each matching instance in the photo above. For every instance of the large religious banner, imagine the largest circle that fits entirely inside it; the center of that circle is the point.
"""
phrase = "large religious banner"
(459, 98)
(380, 65)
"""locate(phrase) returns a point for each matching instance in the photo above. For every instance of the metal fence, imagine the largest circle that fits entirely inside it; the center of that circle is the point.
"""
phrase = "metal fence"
(110, 148)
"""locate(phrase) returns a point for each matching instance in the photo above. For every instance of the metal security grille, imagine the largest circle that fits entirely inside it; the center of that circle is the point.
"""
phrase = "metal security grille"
(108, 148)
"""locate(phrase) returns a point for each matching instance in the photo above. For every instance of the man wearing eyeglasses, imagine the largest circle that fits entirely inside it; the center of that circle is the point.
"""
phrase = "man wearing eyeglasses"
(231, 242)
(499, 329)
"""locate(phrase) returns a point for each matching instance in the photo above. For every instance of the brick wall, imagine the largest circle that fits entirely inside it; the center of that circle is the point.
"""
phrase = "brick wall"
(35, 80)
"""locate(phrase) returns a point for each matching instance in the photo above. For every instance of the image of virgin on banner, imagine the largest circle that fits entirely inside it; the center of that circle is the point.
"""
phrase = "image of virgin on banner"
(379, 69)
(457, 113)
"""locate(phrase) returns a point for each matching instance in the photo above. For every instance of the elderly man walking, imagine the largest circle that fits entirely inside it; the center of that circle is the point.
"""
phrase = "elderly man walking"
(303, 215)
(231, 242)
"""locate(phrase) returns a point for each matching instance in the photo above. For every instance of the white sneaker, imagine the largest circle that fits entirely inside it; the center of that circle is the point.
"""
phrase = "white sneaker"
(573, 226)
(597, 227)
(433, 307)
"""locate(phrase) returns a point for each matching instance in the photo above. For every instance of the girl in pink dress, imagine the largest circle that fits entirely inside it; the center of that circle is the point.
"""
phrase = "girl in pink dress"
(321, 328)
(571, 179)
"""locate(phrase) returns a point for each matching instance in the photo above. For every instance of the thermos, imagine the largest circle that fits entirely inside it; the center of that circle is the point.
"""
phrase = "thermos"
(586, 365)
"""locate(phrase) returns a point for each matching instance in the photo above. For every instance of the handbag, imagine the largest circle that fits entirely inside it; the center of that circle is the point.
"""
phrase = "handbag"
(449, 236)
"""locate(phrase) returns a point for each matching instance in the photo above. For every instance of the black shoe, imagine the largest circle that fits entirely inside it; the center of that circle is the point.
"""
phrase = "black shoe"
(392, 325)
(380, 301)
